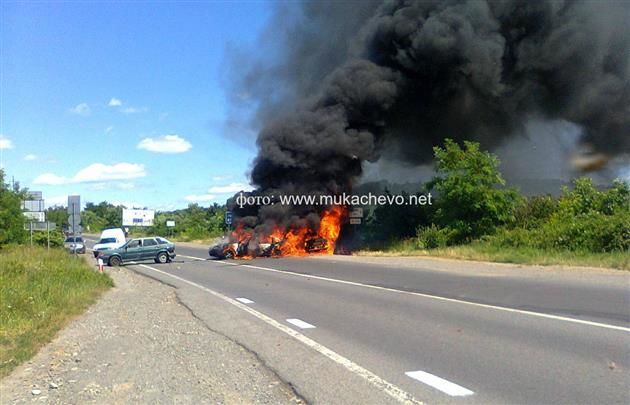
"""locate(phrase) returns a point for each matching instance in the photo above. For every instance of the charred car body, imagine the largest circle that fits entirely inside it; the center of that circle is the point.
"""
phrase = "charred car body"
(249, 248)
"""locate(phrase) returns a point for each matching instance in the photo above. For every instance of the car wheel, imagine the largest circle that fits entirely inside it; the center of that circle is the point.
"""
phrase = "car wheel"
(114, 261)
(162, 258)
(228, 254)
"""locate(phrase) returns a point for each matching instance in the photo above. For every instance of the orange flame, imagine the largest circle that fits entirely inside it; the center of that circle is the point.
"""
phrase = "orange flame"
(330, 226)
(293, 242)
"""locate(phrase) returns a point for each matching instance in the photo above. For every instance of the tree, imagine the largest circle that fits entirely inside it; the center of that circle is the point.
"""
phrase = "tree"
(58, 215)
(11, 217)
(471, 198)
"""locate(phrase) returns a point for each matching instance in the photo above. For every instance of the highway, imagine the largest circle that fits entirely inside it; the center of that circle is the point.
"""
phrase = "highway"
(402, 330)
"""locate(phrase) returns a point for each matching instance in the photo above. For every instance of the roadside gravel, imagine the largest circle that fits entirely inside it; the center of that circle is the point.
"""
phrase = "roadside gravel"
(139, 344)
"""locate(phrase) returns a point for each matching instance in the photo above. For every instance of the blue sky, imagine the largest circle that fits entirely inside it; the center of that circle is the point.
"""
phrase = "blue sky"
(94, 93)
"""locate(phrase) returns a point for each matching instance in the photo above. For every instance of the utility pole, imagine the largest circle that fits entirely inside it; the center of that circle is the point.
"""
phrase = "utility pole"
(48, 231)
(31, 227)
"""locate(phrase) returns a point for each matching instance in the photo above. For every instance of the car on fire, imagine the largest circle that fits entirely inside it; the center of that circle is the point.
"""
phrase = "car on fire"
(230, 250)
(156, 248)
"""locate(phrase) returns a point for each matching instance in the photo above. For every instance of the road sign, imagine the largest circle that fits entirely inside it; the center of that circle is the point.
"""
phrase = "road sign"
(74, 214)
(137, 217)
(228, 217)
(356, 213)
(170, 223)
(355, 221)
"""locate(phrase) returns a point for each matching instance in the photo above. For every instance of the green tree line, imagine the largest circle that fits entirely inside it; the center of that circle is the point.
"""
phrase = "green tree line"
(472, 203)
(192, 222)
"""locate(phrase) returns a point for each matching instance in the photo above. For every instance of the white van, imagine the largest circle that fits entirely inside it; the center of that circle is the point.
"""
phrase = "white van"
(110, 239)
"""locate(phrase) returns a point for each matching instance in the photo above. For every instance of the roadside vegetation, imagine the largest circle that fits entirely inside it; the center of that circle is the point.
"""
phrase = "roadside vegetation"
(41, 289)
(193, 223)
(477, 217)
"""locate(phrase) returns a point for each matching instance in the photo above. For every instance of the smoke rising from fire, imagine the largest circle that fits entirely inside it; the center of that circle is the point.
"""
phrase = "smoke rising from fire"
(355, 81)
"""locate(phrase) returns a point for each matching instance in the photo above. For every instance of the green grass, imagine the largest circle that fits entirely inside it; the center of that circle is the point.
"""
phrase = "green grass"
(40, 292)
(484, 251)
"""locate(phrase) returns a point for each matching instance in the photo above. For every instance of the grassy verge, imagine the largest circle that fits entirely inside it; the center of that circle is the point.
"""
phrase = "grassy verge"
(483, 251)
(40, 292)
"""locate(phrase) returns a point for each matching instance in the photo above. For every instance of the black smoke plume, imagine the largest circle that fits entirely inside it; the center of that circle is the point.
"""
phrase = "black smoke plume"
(358, 80)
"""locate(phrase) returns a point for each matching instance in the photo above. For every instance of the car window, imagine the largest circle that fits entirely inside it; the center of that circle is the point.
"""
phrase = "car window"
(107, 240)
(134, 243)
(69, 239)
(78, 239)
(162, 241)
(149, 242)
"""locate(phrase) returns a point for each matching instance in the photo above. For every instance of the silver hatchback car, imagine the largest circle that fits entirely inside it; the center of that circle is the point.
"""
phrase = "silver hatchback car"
(74, 244)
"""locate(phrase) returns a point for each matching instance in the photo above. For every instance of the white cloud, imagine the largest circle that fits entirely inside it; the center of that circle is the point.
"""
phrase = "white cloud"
(5, 143)
(109, 129)
(165, 144)
(81, 109)
(97, 173)
(50, 179)
(114, 102)
(200, 198)
(230, 188)
(222, 178)
(61, 200)
(100, 172)
(30, 156)
(134, 110)
(125, 186)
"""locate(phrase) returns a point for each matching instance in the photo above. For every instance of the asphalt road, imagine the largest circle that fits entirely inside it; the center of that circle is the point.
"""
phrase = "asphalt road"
(377, 330)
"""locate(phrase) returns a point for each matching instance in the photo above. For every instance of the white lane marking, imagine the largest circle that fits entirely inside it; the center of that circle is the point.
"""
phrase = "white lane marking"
(192, 257)
(245, 300)
(441, 384)
(440, 298)
(300, 323)
(381, 384)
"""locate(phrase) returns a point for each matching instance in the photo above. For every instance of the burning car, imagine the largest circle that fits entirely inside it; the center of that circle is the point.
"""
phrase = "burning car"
(226, 250)
(246, 243)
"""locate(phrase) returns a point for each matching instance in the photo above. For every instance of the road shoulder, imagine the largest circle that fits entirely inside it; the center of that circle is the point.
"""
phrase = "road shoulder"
(140, 344)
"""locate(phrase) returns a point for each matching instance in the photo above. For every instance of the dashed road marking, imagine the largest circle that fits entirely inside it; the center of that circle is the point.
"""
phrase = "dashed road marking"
(245, 300)
(379, 383)
(440, 298)
(441, 384)
(300, 323)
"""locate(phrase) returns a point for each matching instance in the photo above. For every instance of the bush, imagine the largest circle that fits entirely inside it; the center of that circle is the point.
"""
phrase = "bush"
(40, 238)
(470, 200)
(532, 212)
(593, 232)
(431, 237)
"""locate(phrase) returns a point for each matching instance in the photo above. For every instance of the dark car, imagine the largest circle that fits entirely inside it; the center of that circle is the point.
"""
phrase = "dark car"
(157, 249)
(74, 244)
(245, 248)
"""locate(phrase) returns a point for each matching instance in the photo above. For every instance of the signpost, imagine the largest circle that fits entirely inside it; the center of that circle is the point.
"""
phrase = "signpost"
(228, 218)
(355, 216)
(137, 217)
(74, 214)
(170, 224)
